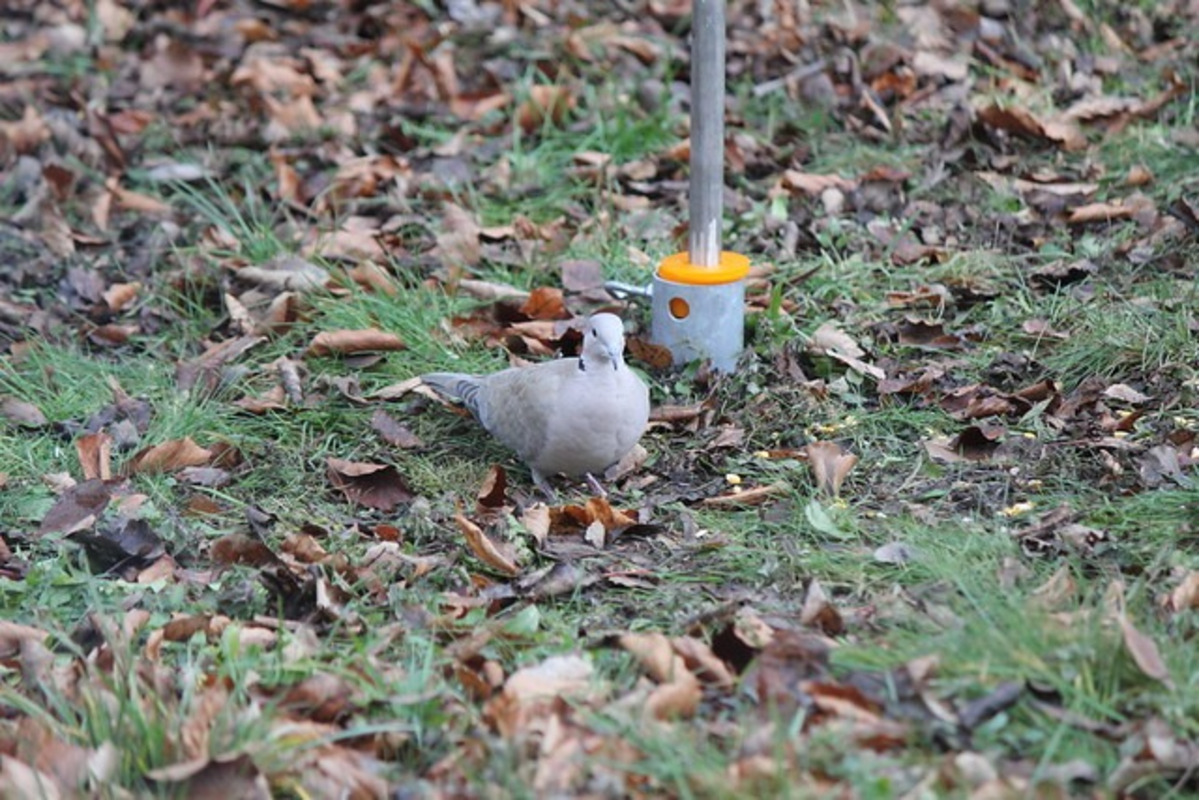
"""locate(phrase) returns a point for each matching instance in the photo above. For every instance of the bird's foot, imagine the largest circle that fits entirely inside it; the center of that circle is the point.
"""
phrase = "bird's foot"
(544, 485)
(595, 485)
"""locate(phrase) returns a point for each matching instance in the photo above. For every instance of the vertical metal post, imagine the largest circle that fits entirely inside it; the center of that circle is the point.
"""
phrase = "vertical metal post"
(707, 160)
(698, 296)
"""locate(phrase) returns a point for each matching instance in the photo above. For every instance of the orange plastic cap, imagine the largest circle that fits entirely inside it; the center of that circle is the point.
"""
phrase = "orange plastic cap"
(677, 268)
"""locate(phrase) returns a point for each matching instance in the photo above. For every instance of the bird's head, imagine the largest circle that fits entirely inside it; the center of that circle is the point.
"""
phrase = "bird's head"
(604, 340)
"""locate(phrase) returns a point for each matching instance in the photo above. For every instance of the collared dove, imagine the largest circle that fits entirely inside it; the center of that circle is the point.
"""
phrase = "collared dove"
(576, 416)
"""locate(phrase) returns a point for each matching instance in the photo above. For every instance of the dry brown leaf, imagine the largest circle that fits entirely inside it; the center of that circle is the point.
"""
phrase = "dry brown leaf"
(373, 277)
(678, 693)
(545, 303)
(25, 135)
(655, 355)
(594, 534)
(322, 697)
(492, 496)
(1139, 175)
(654, 653)
(807, 183)
(830, 465)
(674, 700)
(1144, 651)
(703, 662)
(12, 634)
(819, 612)
(353, 341)
(1126, 394)
(829, 340)
(205, 369)
(357, 239)
(567, 675)
(18, 779)
(1100, 212)
(398, 390)
(546, 103)
(378, 486)
(844, 701)
(78, 508)
(161, 570)
(135, 201)
(496, 556)
(1042, 329)
(56, 233)
(1025, 123)
(1153, 750)
(238, 548)
(1094, 108)
(536, 520)
(95, 455)
(304, 548)
(1186, 595)
(677, 414)
(204, 778)
(195, 733)
(490, 290)
(973, 443)
(746, 496)
(933, 65)
(168, 456)
(120, 295)
(394, 432)
(458, 242)
(581, 275)
(23, 413)
(930, 296)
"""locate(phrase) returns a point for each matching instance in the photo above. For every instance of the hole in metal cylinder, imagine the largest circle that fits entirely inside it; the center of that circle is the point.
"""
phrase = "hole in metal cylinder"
(679, 308)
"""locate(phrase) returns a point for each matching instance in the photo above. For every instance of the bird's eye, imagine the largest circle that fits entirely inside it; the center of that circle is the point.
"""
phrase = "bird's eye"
(593, 331)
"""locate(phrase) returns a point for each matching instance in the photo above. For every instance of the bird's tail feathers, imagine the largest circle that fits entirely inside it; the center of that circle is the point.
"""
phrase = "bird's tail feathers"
(455, 386)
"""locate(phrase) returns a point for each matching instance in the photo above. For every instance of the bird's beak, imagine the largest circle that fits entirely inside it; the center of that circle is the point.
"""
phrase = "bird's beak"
(614, 356)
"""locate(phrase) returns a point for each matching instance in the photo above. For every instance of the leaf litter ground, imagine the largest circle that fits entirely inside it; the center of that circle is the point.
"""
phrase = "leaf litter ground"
(936, 536)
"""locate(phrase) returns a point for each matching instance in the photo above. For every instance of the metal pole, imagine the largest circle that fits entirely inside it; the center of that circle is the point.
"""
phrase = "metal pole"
(707, 160)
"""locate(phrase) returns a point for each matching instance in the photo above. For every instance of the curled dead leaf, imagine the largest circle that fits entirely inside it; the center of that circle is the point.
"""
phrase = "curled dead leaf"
(703, 662)
(830, 465)
(1186, 595)
(819, 612)
(746, 497)
(378, 486)
(546, 103)
(545, 303)
(536, 520)
(557, 676)
(1024, 123)
(1144, 651)
(654, 653)
(95, 455)
(172, 455)
(495, 555)
(458, 241)
(492, 496)
(799, 182)
(120, 295)
(678, 693)
(353, 341)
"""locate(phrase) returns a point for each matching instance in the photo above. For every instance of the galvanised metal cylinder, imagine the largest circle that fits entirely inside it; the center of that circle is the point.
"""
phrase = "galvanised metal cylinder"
(697, 312)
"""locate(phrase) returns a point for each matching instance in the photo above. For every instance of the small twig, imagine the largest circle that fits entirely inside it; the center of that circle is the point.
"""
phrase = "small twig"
(800, 73)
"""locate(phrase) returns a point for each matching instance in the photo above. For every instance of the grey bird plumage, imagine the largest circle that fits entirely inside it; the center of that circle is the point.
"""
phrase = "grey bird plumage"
(575, 416)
